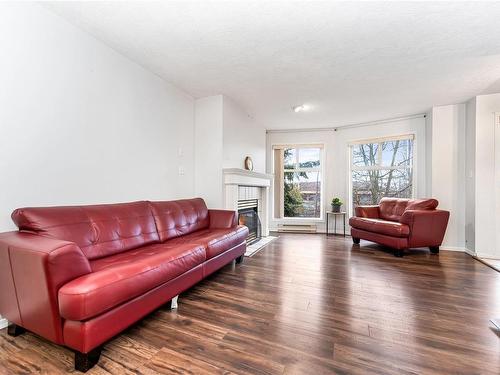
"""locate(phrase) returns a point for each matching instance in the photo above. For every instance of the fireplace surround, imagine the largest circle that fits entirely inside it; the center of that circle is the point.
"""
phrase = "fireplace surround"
(248, 186)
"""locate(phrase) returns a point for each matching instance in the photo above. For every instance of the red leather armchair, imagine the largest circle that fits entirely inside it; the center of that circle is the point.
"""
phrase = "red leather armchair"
(80, 275)
(401, 224)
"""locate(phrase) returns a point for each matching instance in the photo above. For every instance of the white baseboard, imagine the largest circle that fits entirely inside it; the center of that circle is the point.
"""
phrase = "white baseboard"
(3, 323)
(472, 253)
(487, 256)
(453, 248)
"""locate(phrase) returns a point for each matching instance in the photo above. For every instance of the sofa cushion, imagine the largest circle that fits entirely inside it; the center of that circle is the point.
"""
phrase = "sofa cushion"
(389, 228)
(99, 230)
(121, 277)
(392, 208)
(422, 204)
(181, 217)
(215, 241)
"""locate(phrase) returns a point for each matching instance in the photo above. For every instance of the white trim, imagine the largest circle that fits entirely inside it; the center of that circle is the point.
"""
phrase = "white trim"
(3, 323)
(243, 177)
(348, 126)
(246, 173)
(282, 183)
(453, 248)
(382, 139)
(487, 256)
(470, 252)
(297, 145)
(349, 209)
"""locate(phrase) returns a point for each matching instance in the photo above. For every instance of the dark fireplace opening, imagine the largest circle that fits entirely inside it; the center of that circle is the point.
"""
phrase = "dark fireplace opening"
(248, 216)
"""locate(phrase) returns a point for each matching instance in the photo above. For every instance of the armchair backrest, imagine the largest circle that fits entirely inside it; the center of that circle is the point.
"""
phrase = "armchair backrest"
(393, 208)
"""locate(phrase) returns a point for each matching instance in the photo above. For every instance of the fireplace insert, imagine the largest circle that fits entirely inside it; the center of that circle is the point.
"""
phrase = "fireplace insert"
(248, 216)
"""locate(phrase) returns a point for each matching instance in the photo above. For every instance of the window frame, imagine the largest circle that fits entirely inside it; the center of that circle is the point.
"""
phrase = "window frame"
(281, 173)
(379, 165)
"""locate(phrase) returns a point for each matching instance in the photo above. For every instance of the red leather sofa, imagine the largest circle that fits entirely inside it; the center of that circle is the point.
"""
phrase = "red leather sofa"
(80, 275)
(401, 224)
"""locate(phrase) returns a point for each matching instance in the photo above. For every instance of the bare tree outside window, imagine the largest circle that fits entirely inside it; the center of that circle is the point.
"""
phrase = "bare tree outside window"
(382, 169)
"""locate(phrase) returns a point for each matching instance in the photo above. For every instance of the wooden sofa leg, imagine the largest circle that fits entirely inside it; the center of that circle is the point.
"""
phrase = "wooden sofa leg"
(356, 240)
(239, 260)
(15, 330)
(398, 253)
(434, 249)
(85, 361)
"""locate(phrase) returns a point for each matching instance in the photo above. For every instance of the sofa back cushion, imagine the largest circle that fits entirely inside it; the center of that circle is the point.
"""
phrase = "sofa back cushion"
(99, 230)
(177, 218)
(422, 204)
(393, 208)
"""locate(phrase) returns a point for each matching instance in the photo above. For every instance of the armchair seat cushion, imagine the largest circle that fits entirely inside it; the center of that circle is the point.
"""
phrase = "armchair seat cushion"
(389, 228)
(124, 276)
(215, 241)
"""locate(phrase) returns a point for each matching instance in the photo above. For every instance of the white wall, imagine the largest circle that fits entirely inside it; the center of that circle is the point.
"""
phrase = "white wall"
(336, 155)
(464, 173)
(448, 169)
(486, 244)
(80, 123)
(243, 137)
(208, 150)
(470, 176)
(224, 135)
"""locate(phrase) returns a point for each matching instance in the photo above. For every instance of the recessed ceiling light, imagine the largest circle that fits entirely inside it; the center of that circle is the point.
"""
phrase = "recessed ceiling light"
(301, 108)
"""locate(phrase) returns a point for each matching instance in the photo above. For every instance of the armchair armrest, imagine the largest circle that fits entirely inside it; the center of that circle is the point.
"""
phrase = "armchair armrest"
(223, 219)
(32, 269)
(427, 227)
(370, 212)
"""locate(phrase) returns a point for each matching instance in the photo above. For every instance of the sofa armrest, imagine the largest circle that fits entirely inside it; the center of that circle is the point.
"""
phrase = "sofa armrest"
(32, 269)
(370, 212)
(427, 227)
(223, 219)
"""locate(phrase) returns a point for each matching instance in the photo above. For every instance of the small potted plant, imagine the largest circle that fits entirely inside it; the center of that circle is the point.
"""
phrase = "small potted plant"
(336, 204)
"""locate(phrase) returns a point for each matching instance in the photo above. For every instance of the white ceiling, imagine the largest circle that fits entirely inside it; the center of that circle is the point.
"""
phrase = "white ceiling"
(352, 62)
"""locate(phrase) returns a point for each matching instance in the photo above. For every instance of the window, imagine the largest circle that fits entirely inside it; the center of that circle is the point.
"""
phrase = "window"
(381, 168)
(298, 182)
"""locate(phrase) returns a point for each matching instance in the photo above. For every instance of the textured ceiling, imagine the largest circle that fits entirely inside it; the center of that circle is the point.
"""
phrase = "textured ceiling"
(351, 62)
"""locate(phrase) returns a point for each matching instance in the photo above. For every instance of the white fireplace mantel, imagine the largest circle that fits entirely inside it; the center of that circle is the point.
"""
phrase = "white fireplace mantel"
(235, 178)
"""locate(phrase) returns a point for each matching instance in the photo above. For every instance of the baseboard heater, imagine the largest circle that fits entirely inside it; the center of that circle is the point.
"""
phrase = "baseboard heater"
(297, 228)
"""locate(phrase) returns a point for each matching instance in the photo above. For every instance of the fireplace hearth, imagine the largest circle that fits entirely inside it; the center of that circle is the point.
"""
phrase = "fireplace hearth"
(248, 216)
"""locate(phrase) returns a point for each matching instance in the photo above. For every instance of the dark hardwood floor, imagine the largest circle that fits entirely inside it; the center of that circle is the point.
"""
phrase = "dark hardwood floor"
(307, 304)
